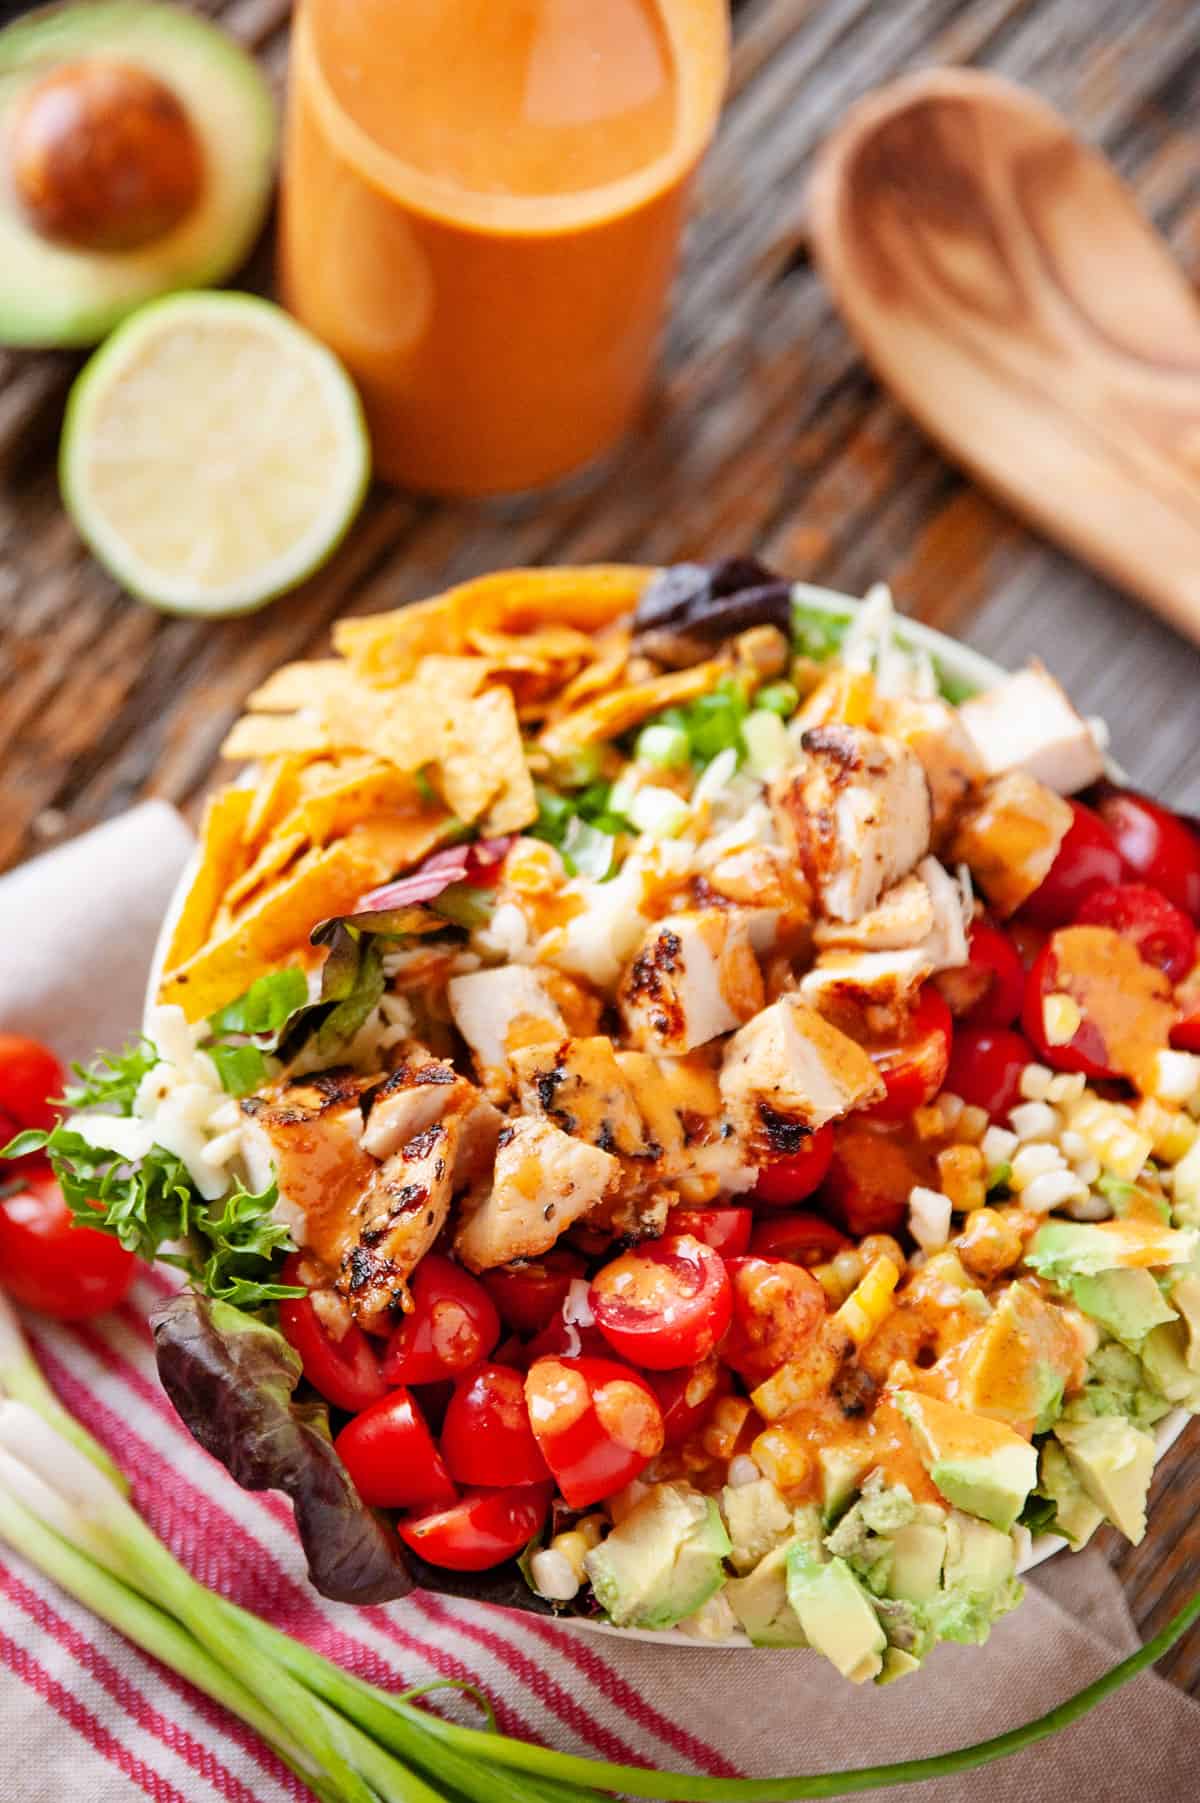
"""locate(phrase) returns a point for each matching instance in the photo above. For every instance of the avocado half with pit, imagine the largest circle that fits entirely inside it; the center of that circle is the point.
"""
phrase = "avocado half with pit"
(137, 155)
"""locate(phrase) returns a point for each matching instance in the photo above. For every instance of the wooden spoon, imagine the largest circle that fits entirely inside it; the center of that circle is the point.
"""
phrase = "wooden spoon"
(1002, 281)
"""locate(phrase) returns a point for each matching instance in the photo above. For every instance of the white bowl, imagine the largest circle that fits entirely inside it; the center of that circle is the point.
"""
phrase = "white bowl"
(965, 665)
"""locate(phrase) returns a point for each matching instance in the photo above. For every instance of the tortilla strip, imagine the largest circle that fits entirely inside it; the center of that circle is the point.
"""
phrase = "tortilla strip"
(272, 931)
(275, 856)
(298, 685)
(220, 855)
(365, 791)
(608, 716)
(269, 735)
(389, 646)
(275, 795)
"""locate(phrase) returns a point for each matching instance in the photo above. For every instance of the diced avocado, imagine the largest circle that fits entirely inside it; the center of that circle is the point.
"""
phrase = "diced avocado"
(1126, 1303)
(896, 1664)
(1021, 1360)
(1118, 1385)
(979, 1558)
(835, 1613)
(918, 1551)
(758, 1520)
(842, 1471)
(1062, 1250)
(1076, 1515)
(179, 200)
(1185, 1295)
(978, 1464)
(663, 1561)
(760, 1602)
(1114, 1462)
(863, 1535)
(1165, 1361)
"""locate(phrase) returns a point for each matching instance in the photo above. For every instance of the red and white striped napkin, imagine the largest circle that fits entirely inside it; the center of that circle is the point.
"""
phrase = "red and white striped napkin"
(85, 1717)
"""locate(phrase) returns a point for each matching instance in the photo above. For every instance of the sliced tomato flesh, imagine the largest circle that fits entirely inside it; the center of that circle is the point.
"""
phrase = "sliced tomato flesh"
(389, 1452)
(664, 1304)
(598, 1424)
(453, 1324)
(486, 1436)
(481, 1530)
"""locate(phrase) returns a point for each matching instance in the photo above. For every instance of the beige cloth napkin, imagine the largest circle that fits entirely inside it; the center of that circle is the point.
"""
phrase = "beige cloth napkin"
(76, 931)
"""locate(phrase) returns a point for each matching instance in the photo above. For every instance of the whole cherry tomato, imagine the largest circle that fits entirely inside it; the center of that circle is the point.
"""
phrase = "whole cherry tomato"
(486, 1436)
(48, 1263)
(30, 1075)
(777, 1309)
(870, 1179)
(803, 1239)
(686, 1397)
(986, 1065)
(786, 1181)
(1156, 846)
(345, 1371)
(598, 1424)
(913, 1062)
(665, 1304)
(726, 1230)
(453, 1324)
(1163, 934)
(530, 1294)
(1087, 859)
(389, 1452)
(992, 956)
(482, 1529)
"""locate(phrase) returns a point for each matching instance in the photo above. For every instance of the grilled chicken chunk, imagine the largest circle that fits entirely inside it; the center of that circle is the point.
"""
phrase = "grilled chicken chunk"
(874, 988)
(695, 977)
(789, 1071)
(901, 918)
(397, 1218)
(1010, 836)
(309, 1133)
(1026, 722)
(933, 730)
(856, 813)
(497, 1012)
(579, 1085)
(543, 1181)
(425, 1090)
(680, 1102)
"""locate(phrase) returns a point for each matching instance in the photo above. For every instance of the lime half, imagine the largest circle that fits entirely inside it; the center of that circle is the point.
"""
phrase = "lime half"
(213, 453)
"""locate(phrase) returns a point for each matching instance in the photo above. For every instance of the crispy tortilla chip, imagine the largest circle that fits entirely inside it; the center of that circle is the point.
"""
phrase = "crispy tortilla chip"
(272, 932)
(454, 675)
(389, 646)
(275, 735)
(546, 650)
(294, 686)
(607, 716)
(393, 846)
(604, 672)
(359, 795)
(275, 794)
(220, 856)
(275, 856)
(481, 764)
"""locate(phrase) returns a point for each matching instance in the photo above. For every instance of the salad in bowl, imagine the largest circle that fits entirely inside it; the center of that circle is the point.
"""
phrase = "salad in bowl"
(675, 1096)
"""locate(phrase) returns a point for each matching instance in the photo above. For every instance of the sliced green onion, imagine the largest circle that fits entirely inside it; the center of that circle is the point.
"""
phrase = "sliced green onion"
(782, 698)
(666, 747)
(588, 851)
(768, 747)
(659, 812)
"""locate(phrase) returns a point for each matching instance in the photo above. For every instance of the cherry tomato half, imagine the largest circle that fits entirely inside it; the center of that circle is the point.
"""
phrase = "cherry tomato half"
(598, 1424)
(665, 1304)
(726, 1230)
(1163, 934)
(986, 1065)
(389, 1452)
(530, 1294)
(870, 1178)
(1156, 846)
(486, 1436)
(803, 1239)
(777, 1308)
(1185, 1034)
(786, 1181)
(345, 1371)
(482, 1529)
(913, 1062)
(992, 956)
(1087, 859)
(1125, 1004)
(30, 1075)
(453, 1324)
(46, 1262)
(686, 1397)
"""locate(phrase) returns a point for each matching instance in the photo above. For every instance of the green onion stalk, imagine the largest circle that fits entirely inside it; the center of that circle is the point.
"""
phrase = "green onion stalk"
(64, 1508)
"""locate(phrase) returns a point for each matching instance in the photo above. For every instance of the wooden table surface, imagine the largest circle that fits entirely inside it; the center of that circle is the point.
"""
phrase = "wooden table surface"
(767, 433)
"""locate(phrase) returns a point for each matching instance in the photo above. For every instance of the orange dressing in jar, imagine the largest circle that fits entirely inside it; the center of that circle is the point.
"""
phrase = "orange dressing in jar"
(481, 210)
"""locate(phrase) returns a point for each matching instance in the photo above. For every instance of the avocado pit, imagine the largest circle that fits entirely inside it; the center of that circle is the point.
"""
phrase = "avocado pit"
(104, 157)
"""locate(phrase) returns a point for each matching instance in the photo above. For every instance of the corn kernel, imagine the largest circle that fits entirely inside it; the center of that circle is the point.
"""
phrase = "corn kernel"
(1034, 1081)
(803, 1380)
(868, 1304)
(783, 1457)
(831, 1283)
(725, 1424)
(881, 1245)
(533, 868)
(844, 698)
(989, 1244)
(972, 1124)
(1176, 1076)
(961, 1176)
(929, 1122)
(1034, 1161)
(1034, 1120)
(1067, 1086)
(1062, 1018)
(1172, 1132)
